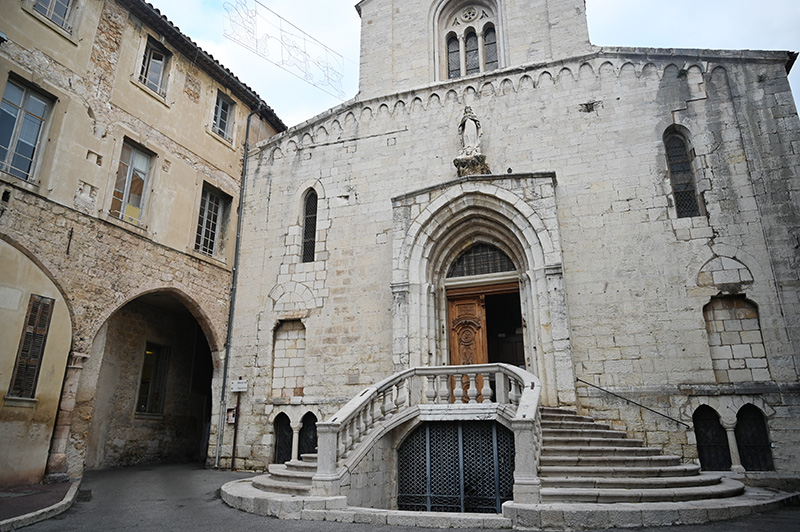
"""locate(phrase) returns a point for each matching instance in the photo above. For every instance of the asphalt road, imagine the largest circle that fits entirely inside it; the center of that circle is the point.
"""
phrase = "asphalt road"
(185, 498)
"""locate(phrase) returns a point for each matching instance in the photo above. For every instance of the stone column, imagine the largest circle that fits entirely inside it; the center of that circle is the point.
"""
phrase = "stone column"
(296, 440)
(462, 55)
(56, 470)
(736, 460)
(481, 53)
(527, 485)
(562, 347)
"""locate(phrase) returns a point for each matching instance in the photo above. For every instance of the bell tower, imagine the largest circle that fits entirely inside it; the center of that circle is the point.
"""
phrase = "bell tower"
(406, 44)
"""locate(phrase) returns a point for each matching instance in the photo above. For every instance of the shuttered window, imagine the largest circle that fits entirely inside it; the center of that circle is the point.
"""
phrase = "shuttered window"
(31, 347)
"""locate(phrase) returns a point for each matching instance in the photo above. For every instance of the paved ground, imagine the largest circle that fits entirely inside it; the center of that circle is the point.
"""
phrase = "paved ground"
(185, 498)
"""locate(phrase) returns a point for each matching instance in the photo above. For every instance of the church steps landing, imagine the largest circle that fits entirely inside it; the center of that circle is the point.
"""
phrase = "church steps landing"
(586, 462)
(293, 477)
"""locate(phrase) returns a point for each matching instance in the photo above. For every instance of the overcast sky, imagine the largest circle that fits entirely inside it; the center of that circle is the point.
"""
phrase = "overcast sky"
(718, 24)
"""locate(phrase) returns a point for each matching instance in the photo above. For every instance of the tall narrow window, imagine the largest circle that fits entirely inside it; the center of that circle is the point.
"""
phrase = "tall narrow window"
(490, 49)
(22, 116)
(129, 189)
(223, 116)
(31, 347)
(211, 219)
(471, 56)
(310, 226)
(680, 174)
(153, 382)
(154, 68)
(55, 10)
(453, 58)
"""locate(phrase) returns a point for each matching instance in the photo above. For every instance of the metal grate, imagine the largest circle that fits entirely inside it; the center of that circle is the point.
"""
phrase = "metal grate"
(453, 58)
(310, 226)
(481, 259)
(752, 439)
(471, 55)
(490, 49)
(712, 440)
(680, 171)
(456, 467)
(308, 435)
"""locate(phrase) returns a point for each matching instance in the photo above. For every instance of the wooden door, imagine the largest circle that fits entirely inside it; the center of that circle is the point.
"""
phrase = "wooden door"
(468, 330)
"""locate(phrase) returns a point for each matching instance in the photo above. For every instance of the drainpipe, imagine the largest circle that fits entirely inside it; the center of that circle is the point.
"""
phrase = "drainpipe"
(222, 402)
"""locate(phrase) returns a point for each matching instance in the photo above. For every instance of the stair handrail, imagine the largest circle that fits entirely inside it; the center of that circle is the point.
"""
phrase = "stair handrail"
(420, 385)
(635, 403)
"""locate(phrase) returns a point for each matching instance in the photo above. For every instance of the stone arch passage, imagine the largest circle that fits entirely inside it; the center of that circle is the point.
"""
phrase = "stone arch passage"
(712, 440)
(308, 435)
(752, 439)
(145, 392)
(283, 439)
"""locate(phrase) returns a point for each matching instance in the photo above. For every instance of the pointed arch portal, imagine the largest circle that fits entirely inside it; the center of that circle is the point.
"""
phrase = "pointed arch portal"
(477, 278)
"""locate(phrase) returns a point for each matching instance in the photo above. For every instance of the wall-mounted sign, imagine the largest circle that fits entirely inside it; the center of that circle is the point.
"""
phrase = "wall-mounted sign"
(239, 386)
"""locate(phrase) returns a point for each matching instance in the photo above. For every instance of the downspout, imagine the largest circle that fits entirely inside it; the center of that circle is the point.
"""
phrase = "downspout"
(222, 402)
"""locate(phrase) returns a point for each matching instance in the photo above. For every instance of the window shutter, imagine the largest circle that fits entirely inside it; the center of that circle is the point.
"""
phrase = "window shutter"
(31, 348)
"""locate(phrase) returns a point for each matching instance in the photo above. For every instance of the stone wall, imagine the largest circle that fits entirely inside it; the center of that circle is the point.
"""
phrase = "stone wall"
(631, 267)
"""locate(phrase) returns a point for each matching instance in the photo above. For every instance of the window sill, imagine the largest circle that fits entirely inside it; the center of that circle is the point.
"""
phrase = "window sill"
(30, 186)
(208, 258)
(128, 226)
(69, 35)
(228, 143)
(19, 402)
(150, 92)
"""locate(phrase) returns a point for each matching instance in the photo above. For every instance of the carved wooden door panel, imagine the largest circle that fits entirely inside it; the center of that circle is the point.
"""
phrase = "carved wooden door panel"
(468, 330)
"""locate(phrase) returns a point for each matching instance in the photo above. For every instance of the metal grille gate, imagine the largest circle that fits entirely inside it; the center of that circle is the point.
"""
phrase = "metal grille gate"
(456, 467)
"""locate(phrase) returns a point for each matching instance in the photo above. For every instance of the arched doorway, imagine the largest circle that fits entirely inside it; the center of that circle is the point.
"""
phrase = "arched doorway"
(752, 439)
(282, 427)
(146, 387)
(484, 314)
(308, 435)
(712, 440)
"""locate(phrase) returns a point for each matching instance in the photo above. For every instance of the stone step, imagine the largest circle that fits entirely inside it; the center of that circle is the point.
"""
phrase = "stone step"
(301, 465)
(283, 473)
(722, 489)
(309, 457)
(702, 479)
(561, 441)
(583, 433)
(611, 461)
(618, 471)
(272, 485)
(577, 450)
(572, 425)
(567, 418)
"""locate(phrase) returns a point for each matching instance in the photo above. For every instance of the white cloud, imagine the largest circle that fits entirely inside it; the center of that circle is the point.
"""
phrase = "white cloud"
(720, 24)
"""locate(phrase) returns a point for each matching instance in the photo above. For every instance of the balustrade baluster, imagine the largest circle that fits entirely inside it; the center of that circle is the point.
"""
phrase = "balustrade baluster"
(472, 391)
(400, 398)
(353, 436)
(513, 394)
(486, 391)
(458, 388)
(430, 391)
(343, 443)
(387, 405)
(444, 389)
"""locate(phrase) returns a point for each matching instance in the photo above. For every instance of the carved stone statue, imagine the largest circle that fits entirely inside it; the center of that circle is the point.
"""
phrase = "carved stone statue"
(470, 131)
(470, 161)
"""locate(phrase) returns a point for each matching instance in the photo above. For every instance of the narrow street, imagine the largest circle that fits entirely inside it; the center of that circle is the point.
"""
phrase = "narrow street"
(185, 497)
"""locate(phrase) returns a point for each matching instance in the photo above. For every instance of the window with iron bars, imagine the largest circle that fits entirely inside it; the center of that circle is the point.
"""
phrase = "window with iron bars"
(211, 218)
(681, 177)
(56, 10)
(310, 226)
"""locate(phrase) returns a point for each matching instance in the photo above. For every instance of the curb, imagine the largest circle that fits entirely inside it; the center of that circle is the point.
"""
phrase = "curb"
(20, 521)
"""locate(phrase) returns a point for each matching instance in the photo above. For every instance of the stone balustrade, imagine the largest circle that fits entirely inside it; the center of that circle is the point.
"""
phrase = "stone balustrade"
(462, 391)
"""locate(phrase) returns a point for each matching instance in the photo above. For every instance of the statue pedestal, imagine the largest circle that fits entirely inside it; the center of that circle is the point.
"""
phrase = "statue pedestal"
(471, 165)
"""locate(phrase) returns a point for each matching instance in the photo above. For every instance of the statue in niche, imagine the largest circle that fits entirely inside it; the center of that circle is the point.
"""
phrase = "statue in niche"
(470, 161)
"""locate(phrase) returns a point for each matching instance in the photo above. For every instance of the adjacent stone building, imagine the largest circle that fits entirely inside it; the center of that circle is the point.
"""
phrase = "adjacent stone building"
(121, 149)
(501, 190)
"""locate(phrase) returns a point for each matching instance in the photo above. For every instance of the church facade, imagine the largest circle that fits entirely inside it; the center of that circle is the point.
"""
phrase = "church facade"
(620, 222)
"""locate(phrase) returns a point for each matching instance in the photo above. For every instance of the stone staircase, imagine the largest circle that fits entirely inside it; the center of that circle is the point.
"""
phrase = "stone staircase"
(291, 478)
(587, 462)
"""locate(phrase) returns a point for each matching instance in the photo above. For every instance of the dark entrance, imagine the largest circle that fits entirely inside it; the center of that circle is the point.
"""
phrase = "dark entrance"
(752, 439)
(456, 467)
(283, 439)
(308, 435)
(504, 329)
(712, 440)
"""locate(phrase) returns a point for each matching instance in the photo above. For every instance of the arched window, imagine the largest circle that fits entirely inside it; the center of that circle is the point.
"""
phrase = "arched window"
(481, 259)
(453, 58)
(712, 440)
(681, 176)
(490, 49)
(309, 226)
(467, 38)
(752, 439)
(283, 439)
(308, 435)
